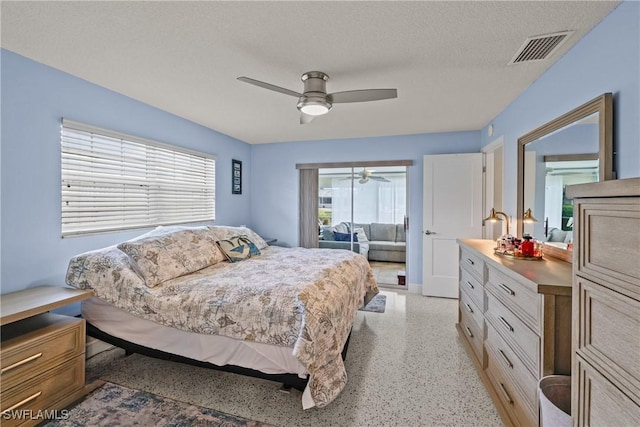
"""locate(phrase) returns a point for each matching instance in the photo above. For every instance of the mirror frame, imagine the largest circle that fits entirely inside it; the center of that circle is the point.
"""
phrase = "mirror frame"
(603, 105)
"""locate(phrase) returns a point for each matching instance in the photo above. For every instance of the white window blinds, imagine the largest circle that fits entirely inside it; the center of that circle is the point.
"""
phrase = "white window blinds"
(112, 181)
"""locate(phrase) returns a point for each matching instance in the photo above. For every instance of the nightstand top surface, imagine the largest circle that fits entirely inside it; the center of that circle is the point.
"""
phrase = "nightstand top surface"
(19, 305)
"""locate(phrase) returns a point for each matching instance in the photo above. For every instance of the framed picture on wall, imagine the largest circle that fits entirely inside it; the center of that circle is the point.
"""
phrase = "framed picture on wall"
(236, 176)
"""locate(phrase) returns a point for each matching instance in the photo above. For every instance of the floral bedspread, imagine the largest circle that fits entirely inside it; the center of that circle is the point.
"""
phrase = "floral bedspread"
(301, 298)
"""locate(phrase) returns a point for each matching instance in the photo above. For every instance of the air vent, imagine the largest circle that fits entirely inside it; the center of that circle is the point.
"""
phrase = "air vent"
(540, 47)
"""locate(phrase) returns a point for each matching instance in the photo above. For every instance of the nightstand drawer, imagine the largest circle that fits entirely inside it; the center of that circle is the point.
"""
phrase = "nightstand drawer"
(33, 345)
(522, 340)
(472, 263)
(43, 391)
(515, 296)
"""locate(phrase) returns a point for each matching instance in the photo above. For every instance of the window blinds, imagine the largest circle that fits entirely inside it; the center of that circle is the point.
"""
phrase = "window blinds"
(112, 181)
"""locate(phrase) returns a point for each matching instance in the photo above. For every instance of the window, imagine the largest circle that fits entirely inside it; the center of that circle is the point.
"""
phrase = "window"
(112, 181)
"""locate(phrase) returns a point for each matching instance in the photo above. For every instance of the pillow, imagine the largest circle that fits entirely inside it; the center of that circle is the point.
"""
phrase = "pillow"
(343, 227)
(556, 235)
(161, 257)
(224, 232)
(345, 237)
(327, 233)
(238, 248)
(361, 235)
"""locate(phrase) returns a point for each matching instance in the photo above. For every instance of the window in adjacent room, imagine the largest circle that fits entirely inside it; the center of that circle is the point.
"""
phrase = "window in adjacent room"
(112, 181)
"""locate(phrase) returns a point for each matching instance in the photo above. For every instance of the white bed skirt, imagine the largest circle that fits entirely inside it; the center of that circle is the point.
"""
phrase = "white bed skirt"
(216, 349)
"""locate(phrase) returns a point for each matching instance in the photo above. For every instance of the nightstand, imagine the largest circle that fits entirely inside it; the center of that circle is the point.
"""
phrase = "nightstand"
(42, 355)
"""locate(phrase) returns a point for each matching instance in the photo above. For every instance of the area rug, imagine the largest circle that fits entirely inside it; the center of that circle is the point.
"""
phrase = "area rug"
(376, 305)
(115, 405)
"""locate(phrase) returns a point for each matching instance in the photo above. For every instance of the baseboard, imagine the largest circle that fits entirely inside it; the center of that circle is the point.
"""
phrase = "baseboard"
(415, 288)
(95, 346)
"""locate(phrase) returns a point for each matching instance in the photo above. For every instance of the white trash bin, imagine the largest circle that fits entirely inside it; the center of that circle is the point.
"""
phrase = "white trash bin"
(554, 392)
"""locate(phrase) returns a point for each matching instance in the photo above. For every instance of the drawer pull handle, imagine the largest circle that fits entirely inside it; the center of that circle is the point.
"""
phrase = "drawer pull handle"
(469, 284)
(21, 403)
(469, 331)
(505, 394)
(469, 309)
(470, 261)
(506, 359)
(506, 289)
(505, 324)
(20, 363)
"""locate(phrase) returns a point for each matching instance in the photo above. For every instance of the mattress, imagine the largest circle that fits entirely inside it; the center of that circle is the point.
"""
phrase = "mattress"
(216, 349)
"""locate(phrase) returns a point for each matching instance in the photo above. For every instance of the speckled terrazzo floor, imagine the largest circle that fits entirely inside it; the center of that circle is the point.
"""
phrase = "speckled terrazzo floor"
(406, 367)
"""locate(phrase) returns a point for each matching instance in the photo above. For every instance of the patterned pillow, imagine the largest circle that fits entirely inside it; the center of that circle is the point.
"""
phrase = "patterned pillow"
(165, 256)
(238, 248)
(224, 232)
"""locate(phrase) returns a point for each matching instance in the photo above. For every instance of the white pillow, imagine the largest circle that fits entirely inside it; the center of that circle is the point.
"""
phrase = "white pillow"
(362, 236)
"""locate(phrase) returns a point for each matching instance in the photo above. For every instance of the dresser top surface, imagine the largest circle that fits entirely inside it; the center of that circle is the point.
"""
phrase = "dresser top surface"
(547, 276)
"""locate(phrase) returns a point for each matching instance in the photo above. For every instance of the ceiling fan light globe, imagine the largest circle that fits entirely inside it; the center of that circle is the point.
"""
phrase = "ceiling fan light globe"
(313, 105)
(314, 110)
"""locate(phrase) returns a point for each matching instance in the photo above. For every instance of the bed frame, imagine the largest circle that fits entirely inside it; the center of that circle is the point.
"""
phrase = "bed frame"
(288, 380)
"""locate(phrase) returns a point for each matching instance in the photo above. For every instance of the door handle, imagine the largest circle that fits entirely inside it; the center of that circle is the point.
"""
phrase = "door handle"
(428, 232)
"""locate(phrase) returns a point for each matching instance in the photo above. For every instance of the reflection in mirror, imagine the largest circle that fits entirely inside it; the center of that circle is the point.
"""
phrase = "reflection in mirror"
(573, 149)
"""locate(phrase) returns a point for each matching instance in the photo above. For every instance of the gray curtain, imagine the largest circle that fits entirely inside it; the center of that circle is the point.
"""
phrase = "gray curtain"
(309, 208)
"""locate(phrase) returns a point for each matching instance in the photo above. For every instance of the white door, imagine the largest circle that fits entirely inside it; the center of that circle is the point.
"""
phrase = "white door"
(452, 209)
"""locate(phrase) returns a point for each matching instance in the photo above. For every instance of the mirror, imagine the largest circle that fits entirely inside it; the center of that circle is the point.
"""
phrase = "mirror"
(572, 149)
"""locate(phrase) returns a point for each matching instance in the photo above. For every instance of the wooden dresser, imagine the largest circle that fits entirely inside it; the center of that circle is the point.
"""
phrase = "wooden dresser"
(515, 316)
(606, 303)
(42, 356)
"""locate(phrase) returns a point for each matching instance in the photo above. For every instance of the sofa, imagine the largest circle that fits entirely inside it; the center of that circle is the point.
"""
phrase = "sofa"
(381, 242)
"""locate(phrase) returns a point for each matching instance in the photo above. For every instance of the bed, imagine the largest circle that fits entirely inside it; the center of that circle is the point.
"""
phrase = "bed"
(277, 313)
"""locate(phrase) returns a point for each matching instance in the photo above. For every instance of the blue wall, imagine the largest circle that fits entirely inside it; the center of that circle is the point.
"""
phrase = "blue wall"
(275, 184)
(607, 59)
(34, 99)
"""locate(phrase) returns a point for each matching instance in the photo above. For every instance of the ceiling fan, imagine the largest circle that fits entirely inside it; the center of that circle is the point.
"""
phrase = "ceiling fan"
(315, 101)
(366, 175)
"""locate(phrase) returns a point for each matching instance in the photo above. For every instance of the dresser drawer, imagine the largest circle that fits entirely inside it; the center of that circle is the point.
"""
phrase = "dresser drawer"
(511, 398)
(473, 287)
(598, 402)
(472, 263)
(33, 345)
(43, 391)
(609, 246)
(515, 296)
(513, 367)
(472, 333)
(610, 333)
(522, 340)
(466, 304)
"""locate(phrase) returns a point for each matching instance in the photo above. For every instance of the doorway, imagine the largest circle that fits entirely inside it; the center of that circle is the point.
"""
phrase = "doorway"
(364, 209)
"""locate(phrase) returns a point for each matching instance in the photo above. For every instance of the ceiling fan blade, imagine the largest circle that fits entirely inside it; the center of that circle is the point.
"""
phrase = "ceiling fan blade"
(362, 95)
(379, 178)
(269, 86)
(305, 118)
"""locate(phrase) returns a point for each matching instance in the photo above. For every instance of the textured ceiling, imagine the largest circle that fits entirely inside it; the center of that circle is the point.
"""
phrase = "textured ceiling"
(448, 60)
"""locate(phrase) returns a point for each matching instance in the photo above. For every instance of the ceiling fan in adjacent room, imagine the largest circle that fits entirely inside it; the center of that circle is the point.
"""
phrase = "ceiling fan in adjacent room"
(366, 175)
(315, 101)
